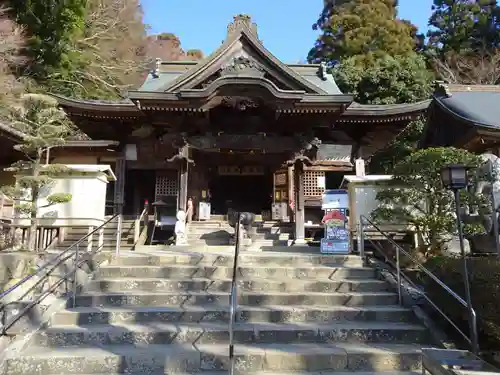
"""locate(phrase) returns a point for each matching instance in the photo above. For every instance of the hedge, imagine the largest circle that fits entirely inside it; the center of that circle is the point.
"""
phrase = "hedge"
(485, 291)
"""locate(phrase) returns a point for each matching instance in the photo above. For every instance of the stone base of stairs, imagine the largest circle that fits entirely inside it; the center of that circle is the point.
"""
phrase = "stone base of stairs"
(174, 359)
(167, 312)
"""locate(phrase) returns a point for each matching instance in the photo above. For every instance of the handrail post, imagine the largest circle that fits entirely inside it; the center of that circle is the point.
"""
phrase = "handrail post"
(398, 270)
(118, 235)
(137, 229)
(472, 339)
(468, 297)
(233, 298)
(361, 241)
(75, 265)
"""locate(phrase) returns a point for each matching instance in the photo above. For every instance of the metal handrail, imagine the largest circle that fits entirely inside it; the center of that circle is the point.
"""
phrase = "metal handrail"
(234, 294)
(46, 269)
(473, 340)
(137, 223)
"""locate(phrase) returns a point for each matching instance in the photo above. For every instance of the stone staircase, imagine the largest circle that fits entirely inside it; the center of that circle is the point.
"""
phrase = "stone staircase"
(73, 234)
(167, 313)
(218, 233)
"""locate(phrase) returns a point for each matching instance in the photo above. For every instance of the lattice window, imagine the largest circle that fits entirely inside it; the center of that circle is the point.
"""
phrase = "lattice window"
(166, 185)
(311, 188)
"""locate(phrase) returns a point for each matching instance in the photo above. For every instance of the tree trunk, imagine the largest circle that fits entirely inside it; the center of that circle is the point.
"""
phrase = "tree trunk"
(33, 221)
(35, 192)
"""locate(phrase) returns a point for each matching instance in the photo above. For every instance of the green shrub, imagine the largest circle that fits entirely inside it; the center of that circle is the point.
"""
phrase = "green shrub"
(485, 291)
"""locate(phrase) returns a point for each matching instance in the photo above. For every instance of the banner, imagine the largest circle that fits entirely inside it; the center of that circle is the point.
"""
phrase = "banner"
(335, 222)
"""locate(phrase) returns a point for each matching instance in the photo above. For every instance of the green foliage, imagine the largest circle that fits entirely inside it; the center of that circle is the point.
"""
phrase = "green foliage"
(44, 125)
(362, 29)
(401, 147)
(388, 80)
(373, 55)
(485, 291)
(57, 198)
(417, 195)
(463, 26)
(76, 46)
(50, 25)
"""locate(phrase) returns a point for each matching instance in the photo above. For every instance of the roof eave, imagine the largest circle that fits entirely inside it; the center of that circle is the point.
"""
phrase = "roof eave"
(480, 124)
(127, 106)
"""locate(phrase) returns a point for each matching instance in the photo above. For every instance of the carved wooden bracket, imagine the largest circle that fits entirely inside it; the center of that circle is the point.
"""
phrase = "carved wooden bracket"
(307, 151)
(181, 156)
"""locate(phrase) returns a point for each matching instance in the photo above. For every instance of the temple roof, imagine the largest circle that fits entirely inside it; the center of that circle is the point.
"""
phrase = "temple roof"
(458, 113)
(241, 75)
(168, 72)
(375, 110)
(240, 66)
(478, 105)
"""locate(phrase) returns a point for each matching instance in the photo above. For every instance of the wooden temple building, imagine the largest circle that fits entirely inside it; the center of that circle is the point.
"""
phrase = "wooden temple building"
(239, 129)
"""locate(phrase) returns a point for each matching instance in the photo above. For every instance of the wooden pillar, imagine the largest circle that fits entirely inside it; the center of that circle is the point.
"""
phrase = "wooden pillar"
(119, 198)
(300, 232)
(291, 192)
(183, 179)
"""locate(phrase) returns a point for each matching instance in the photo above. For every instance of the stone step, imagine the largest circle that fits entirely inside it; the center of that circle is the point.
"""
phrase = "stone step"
(220, 298)
(152, 333)
(208, 242)
(279, 373)
(215, 313)
(172, 359)
(221, 272)
(139, 259)
(105, 236)
(181, 285)
(109, 228)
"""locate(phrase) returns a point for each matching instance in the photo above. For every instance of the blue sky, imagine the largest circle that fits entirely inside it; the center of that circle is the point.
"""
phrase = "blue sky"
(284, 25)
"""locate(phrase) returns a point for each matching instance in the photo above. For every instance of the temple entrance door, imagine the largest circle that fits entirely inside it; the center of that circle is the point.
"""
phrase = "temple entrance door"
(252, 193)
(139, 187)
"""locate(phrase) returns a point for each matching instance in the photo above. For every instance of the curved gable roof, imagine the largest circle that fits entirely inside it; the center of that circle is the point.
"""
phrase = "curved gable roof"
(227, 50)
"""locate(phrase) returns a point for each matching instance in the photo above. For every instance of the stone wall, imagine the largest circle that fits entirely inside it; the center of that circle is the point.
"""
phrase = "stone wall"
(14, 266)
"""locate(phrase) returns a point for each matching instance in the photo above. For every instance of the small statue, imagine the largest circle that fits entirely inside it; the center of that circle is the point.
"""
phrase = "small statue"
(486, 243)
(246, 220)
(180, 229)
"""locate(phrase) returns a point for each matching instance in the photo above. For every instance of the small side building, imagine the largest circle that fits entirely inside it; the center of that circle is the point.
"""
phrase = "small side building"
(464, 116)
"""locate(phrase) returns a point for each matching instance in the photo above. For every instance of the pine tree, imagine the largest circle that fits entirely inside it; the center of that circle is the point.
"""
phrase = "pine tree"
(364, 29)
(50, 25)
(464, 26)
(43, 125)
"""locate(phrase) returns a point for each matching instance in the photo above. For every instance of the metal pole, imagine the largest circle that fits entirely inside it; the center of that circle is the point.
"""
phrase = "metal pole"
(398, 269)
(472, 318)
(118, 235)
(75, 265)
(361, 241)
(494, 214)
(234, 298)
